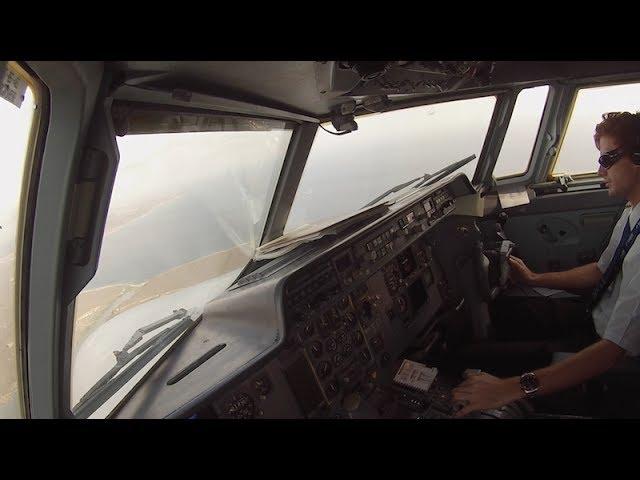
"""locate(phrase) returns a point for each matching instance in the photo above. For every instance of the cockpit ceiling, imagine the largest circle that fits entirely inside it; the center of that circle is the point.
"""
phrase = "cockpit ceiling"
(314, 88)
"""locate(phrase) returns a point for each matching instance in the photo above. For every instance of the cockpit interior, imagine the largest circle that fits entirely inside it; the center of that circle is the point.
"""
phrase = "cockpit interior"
(300, 239)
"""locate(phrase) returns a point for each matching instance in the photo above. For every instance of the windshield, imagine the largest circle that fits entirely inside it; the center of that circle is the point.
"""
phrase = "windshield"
(344, 173)
(186, 214)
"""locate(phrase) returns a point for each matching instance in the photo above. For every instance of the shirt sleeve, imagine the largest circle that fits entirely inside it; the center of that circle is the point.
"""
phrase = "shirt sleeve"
(607, 255)
(623, 328)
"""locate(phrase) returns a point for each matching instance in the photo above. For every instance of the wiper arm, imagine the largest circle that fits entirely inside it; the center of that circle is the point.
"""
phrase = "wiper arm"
(443, 172)
(426, 179)
(311, 233)
(107, 386)
(397, 188)
(138, 334)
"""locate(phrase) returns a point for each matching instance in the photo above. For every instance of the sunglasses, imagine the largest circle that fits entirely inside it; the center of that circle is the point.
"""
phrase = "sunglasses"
(607, 160)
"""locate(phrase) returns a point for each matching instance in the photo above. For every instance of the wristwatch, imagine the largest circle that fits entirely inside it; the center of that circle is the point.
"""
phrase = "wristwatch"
(529, 384)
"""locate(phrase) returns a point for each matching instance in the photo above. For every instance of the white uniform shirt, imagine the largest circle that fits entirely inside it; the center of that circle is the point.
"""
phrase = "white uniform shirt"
(617, 315)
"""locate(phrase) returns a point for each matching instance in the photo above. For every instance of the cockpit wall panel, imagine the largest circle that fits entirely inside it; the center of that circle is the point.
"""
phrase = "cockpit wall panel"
(248, 321)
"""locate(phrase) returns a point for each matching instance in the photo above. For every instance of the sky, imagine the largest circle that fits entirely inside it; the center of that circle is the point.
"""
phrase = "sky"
(578, 150)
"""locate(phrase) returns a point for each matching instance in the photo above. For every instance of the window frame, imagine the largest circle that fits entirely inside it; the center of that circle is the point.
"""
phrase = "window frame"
(294, 127)
(516, 176)
(24, 230)
(577, 86)
(553, 105)
(405, 105)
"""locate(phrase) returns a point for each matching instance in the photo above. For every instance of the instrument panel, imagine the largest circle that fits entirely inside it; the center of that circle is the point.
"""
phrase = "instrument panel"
(321, 331)
(351, 314)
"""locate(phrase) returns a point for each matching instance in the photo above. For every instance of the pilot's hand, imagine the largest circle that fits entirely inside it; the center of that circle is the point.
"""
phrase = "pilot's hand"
(519, 272)
(481, 391)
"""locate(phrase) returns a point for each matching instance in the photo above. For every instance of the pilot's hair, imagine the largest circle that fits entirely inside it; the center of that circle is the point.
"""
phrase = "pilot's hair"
(623, 126)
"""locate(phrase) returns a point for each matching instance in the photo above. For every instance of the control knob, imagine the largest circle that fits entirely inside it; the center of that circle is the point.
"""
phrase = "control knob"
(308, 329)
(344, 302)
(385, 359)
(324, 369)
(337, 359)
(316, 349)
(377, 343)
(241, 406)
(262, 386)
(351, 402)
(332, 389)
(365, 356)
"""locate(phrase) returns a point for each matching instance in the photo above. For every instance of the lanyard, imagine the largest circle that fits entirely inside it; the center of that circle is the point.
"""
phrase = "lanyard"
(616, 263)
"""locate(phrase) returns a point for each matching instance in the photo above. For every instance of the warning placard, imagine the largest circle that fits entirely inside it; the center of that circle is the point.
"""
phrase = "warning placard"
(12, 87)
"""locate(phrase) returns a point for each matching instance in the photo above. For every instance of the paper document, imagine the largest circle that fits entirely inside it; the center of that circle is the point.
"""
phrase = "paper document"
(415, 376)
(513, 196)
(309, 233)
(546, 292)
(12, 87)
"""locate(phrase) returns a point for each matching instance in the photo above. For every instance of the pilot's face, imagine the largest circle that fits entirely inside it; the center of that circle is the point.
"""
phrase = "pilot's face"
(623, 176)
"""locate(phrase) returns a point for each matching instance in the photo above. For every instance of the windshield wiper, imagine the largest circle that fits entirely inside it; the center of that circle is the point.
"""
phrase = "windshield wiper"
(443, 172)
(426, 179)
(107, 386)
(395, 189)
(311, 233)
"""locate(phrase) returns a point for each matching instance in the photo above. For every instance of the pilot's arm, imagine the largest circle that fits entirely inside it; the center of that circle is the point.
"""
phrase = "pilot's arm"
(482, 391)
(579, 278)
(622, 335)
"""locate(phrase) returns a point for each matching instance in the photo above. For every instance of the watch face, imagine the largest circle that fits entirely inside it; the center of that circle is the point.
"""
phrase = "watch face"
(529, 383)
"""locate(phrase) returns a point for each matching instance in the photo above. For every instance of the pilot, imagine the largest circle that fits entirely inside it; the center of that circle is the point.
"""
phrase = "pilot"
(614, 278)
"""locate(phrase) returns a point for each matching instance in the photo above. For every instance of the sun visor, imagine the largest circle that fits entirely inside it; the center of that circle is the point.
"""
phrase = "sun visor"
(136, 119)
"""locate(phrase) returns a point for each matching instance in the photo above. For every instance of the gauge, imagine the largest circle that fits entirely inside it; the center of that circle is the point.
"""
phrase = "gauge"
(332, 388)
(338, 359)
(401, 303)
(365, 356)
(333, 317)
(351, 319)
(323, 369)
(377, 342)
(344, 302)
(308, 329)
(316, 349)
(324, 323)
(385, 359)
(262, 385)
(406, 263)
(331, 344)
(240, 406)
(299, 337)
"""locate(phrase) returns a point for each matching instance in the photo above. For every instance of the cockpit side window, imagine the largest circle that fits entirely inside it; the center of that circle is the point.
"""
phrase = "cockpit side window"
(515, 154)
(578, 154)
